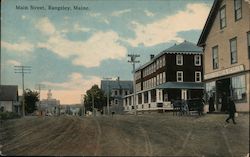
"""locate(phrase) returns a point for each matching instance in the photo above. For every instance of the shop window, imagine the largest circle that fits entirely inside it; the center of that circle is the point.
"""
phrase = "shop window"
(223, 17)
(233, 50)
(237, 9)
(179, 60)
(215, 57)
(239, 87)
(179, 76)
(197, 60)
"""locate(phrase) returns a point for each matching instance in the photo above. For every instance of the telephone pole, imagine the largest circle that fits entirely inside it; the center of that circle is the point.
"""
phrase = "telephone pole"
(93, 103)
(23, 70)
(107, 93)
(133, 61)
(83, 107)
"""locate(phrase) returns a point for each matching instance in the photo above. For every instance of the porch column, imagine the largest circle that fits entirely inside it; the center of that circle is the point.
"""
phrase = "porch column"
(124, 102)
(142, 98)
(158, 95)
(149, 96)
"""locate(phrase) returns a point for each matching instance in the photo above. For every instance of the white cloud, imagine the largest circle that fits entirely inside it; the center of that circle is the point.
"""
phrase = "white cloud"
(13, 63)
(100, 46)
(120, 12)
(166, 29)
(45, 26)
(94, 14)
(24, 17)
(78, 28)
(23, 46)
(149, 13)
(71, 90)
(105, 20)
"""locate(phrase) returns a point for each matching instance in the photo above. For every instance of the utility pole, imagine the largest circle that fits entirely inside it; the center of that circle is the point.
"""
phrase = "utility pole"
(23, 70)
(133, 61)
(107, 92)
(83, 107)
(92, 102)
(39, 86)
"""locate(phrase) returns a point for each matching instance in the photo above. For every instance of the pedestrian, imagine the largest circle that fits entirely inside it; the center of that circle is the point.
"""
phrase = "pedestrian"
(211, 104)
(231, 110)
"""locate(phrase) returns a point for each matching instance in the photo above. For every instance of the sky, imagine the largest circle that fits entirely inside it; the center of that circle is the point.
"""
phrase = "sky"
(74, 44)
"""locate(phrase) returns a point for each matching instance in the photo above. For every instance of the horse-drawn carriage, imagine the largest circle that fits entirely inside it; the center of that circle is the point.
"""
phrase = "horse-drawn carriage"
(186, 107)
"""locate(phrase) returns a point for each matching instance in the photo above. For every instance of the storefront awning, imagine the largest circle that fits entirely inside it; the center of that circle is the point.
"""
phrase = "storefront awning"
(181, 85)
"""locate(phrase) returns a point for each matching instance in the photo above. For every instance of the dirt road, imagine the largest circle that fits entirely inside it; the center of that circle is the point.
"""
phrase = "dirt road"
(150, 135)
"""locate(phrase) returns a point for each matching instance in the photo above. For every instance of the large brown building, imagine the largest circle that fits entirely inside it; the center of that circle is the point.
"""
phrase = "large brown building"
(174, 74)
(226, 43)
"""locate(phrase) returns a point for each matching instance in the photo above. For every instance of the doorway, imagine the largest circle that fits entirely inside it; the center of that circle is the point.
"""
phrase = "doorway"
(222, 93)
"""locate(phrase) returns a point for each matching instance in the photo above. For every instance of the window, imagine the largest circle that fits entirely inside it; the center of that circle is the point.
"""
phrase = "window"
(237, 9)
(233, 50)
(163, 61)
(116, 92)
(239, 87)
(160, 62)
(164, 77)
(179, 76)
(157, 64)
(215, 57)
(197, 76)
(248, 44)
(160, 78)
(223, 17)
(116, 101)
(197, 60)
(157, 80)
(179, 60)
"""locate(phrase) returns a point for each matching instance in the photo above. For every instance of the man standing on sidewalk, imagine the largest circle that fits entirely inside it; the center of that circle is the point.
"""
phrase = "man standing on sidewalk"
(231, 110)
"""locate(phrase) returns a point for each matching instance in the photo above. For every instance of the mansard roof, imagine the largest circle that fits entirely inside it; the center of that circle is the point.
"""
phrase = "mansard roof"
(185, 47)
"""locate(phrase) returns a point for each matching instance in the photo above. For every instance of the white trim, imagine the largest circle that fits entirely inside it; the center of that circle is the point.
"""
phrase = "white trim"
(179, 59)
(195, 76)
(179, 72)
(197, 58)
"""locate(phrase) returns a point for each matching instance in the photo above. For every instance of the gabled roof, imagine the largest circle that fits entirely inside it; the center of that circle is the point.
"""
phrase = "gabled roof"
(185, 47)
(8, 93)
(116, 84)
(210, 20)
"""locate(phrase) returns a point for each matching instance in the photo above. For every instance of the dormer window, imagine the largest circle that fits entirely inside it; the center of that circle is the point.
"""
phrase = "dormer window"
(179, 60)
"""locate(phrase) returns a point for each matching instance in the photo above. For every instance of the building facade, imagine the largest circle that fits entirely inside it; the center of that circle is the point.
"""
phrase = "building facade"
(116, 89)
(226, 43)
(174, 74)
(49, 106)
(9, 99)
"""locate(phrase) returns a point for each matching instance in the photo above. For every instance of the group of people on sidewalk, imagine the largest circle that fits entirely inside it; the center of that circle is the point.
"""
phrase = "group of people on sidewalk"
(230, 107)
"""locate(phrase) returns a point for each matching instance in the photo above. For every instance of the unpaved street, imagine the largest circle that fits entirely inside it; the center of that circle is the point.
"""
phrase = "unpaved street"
(149, 134)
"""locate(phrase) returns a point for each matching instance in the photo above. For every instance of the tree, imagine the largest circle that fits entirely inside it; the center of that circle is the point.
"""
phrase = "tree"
(99, 98)
(31, 97)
